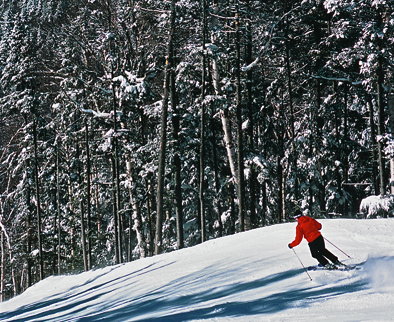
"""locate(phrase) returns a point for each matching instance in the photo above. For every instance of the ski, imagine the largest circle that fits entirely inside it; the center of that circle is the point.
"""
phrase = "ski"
(339, 268)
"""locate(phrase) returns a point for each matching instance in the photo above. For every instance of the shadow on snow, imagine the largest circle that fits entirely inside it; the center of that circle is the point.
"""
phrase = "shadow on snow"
(80, 306)
(266, 305)
(76, 296)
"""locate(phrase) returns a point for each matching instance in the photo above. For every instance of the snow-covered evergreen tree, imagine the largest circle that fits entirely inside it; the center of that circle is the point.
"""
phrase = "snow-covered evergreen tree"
(81, 94)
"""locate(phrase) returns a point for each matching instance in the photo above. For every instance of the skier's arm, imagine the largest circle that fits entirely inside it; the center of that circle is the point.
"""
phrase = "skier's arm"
(298, 238)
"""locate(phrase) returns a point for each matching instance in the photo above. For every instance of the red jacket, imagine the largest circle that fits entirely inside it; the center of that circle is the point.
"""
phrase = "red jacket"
(307, 227)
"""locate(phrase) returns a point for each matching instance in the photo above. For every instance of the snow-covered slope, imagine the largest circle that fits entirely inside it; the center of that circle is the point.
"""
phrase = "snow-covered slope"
(251, 276)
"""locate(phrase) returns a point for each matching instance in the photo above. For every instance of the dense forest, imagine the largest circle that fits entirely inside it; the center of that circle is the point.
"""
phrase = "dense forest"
(135, 127)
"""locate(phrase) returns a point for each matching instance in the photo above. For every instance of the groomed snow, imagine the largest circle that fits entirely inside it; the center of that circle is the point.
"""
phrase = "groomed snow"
(251, 276)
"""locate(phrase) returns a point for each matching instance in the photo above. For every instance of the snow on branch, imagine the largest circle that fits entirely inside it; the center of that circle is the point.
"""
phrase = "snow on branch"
(265, 47)
(338, 79)
(95, 114)
(152, 10)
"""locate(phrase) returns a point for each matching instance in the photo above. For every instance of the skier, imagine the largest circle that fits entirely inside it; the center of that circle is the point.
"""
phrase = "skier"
(309, 228)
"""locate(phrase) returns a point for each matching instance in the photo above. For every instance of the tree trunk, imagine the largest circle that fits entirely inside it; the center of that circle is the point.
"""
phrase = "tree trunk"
(136, 217)
(240, 146)
(28, 229)
(149, 206)
(88, 197)
(373, 148)
(83, 229)
(226, 123)
(280, 157)
(314, 128)
(202, 127)
(391, 113)
(7, 237)
(37, 184)
(115, 154)
(250, 133)
(163, 135)
(264, 203)
(116, 182)
(58, 209)
(115, 211)
(294, 155)
(380, 79)
(83, 237)
(97, 205)
(279, 175)
(346, 139)
(138, 227)
(177, 161)
(216, 173)
(178, 197)
(119, 215)
(339, 206)
(232, 209)
(2, 290)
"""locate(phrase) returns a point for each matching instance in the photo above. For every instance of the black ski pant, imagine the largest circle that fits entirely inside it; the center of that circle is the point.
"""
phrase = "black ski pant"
(319, 251)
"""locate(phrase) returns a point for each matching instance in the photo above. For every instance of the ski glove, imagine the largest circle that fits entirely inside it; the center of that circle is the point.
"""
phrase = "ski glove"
(290, 246)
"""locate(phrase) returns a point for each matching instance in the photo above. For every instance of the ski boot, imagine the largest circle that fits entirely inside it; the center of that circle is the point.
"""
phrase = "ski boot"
(338, 263)
(330, 267)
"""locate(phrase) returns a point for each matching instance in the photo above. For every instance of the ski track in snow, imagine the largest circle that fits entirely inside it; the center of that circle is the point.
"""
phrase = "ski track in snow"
(250, 276)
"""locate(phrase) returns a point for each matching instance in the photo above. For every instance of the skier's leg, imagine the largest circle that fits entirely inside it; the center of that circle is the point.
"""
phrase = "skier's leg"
(315, 252)
(324, 251)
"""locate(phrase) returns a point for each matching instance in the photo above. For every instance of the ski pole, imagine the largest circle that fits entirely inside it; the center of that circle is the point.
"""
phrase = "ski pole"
(306, 271)
(337, 247)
